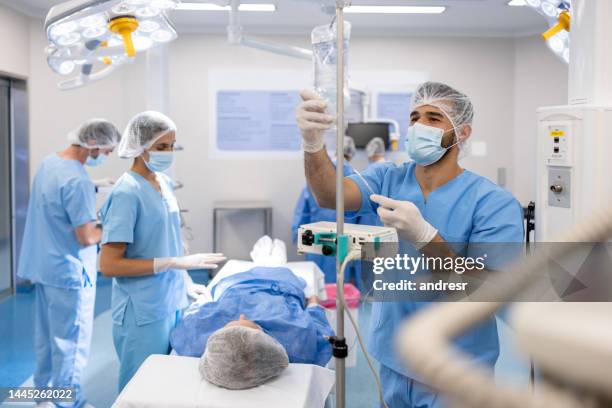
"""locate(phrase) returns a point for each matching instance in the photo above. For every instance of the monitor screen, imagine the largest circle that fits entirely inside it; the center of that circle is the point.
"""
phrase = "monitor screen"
(362, 133)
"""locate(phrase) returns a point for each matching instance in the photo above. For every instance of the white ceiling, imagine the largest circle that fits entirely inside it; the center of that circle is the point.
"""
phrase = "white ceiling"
(475, 18)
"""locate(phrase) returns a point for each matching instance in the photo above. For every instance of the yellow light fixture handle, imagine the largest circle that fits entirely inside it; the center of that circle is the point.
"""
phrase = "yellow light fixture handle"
(125, 26)
(563, 24)
(394, 145)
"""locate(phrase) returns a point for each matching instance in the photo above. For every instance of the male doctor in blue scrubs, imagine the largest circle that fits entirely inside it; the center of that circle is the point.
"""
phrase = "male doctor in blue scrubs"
(59, 256)
(428, 200)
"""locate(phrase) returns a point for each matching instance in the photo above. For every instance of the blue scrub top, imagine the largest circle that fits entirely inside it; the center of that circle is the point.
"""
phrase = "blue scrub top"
(271, 297)
(307, 211)
(469, 209)
(63, 198)
(149, 222)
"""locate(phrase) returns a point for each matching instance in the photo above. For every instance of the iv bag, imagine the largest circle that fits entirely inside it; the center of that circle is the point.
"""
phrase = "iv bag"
(325, 56)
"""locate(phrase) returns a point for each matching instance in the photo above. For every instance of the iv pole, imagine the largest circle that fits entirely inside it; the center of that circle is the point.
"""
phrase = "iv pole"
(340, 360)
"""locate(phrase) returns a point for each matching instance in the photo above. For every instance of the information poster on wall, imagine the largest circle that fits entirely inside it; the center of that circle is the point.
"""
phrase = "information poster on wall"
(253, 113)
(396, 106)
(257, 121)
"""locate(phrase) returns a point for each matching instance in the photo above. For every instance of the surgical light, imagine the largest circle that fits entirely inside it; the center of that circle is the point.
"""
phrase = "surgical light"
(93, 21)
(69, 39)
(163, 4)
(517, 3)
(557, 14)
(550, 9)
(161, 36)
(396, 9)
(63, 29)
(142, 43)
(104, 34)
(66, 67)
(566, 55)
(123, 8)
(556, 44)
(147, 12)
(148, 26)
(94, 32)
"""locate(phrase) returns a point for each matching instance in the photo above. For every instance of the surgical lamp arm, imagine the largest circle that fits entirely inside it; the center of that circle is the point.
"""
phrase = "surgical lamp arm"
(235, 37)
(425, 341)
(289, 51)
(86, 78)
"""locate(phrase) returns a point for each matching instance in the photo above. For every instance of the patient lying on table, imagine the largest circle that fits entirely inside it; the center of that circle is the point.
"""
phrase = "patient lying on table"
(258, 321)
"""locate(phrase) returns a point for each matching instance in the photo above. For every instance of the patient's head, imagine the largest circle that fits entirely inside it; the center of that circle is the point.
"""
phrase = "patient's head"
(241, 355)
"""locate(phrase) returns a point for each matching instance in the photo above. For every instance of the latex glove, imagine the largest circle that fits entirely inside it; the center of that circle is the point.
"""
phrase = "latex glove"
(406, 218)
(195, 291)
(312, 121)
(105, 182)
(196, 261)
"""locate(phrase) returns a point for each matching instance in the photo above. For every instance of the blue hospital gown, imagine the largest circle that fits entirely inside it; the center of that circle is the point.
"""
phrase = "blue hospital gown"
(271, 297)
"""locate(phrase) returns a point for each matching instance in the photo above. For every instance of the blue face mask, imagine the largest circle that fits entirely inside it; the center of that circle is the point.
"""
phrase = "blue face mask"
(424, 144)
(159, 161)
(96, 161)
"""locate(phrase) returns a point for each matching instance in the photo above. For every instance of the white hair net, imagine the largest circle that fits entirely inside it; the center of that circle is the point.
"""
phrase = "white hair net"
(239, 357)
(143, 131)
(375, 147)
(349, 148)
(95, 134)
(455, 105)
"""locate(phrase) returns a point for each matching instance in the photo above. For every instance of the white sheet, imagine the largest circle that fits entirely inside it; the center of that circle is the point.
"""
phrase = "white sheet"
(175, 381)
(309, 271)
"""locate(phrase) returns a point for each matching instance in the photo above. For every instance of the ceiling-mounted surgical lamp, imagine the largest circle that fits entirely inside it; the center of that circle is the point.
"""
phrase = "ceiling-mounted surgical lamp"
(557, 14)
(97, 36)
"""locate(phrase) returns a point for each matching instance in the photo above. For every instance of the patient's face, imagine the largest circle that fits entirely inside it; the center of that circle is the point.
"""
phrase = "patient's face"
(244, 322)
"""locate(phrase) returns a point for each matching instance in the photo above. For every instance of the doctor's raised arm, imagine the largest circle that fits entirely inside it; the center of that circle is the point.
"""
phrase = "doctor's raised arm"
(313, 121)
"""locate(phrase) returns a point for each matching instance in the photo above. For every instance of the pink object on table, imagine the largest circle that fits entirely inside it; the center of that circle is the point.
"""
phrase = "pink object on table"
(351, 294)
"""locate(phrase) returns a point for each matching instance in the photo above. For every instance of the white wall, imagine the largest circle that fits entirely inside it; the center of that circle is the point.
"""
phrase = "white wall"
(494, 72)
(14, 58)
(481, 68)
(540, 79)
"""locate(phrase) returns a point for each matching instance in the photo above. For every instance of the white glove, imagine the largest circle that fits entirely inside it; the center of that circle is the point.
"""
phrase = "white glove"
(312, 121)
(105, 182)
(406, 218)
(196, 261)
(195, 290)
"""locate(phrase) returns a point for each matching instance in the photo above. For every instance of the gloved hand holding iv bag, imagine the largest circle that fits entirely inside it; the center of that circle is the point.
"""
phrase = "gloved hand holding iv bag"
(313, 121)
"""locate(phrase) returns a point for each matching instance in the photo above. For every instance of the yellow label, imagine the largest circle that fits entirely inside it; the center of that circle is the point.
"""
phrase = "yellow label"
(557, 133)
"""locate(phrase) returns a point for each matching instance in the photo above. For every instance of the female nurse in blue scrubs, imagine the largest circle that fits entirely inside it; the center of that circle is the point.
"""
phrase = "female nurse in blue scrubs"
(430, 199)
(142, 248)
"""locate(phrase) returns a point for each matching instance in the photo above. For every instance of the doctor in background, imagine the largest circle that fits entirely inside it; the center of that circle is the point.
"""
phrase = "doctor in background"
(59, 256)
(142, 246)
